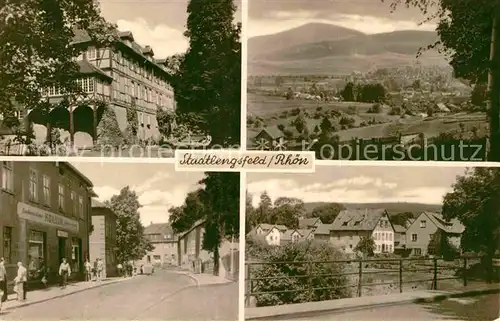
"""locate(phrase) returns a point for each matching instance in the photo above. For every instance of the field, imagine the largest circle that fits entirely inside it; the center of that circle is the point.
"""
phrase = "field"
(273, 111)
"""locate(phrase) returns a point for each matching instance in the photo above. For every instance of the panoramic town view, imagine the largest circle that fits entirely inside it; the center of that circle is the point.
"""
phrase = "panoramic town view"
(116, 78)
(358, 74)
(346, 245)
(82, 242)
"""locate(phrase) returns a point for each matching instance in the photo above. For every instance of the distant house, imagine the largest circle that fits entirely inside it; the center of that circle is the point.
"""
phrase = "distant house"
(270, 137)
(351, 225)
(165, 244)
(102, 240)
(309, 223)
(420, 232)
(322, 232)
(271, 234)
(306, 234)
(290, 236)
(189, 246)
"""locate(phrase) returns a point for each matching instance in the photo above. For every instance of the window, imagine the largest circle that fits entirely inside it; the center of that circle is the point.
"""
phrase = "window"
(74, 204)
(383, 236)
(414, 237)
(378, 247)
(91, 53)
(46, 190)
(7, 244)
(61, 197)
(390, 236)
(87, 84)
(33, 186)
(418, 252)
(80, 206)
(390, 248)
(423, 224)
(36, 254)
(7, 176)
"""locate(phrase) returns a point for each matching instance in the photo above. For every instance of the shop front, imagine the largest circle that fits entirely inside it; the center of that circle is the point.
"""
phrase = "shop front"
(46, 238)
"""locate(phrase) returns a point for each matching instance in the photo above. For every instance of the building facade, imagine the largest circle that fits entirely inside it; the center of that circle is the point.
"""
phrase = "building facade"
(165, 244)
(44, 217)
(102, 240)
(125, 76)
(350, 226)
(420, 232)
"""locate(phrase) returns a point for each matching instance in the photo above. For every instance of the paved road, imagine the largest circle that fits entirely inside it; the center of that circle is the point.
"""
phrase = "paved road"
(159, 296)
(483, 308)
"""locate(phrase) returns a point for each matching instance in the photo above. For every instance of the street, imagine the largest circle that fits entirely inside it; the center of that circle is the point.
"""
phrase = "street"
(163, 295)
(481, 308)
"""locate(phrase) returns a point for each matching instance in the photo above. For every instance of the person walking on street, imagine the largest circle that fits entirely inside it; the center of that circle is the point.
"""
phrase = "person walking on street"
(88, 271)
(3, 280)
(100, 270)
(119, 267)
(64, 272)
(20, 282)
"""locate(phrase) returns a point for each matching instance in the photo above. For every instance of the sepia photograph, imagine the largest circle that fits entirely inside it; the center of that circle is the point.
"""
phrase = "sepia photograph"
(83, 241)
(373, 243)
(373, 79)
(119, 79)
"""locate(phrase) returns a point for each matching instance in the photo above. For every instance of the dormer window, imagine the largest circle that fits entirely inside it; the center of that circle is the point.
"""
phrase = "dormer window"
(345, 223)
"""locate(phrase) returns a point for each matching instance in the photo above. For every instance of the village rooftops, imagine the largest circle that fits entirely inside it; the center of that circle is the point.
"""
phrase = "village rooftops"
(453, 226)
(399, 228)
(323, 229)
(358, 220)
(305, 223)
(164, 232)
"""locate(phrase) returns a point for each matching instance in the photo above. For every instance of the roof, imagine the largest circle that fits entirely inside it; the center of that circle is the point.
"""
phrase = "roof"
(158, 228)
(399, 228)
(304, 223)
(96, 203)
(274, 132)
(80, 174)
(87, 68)
(267, 227)
(453, 226)
(305, 232)
(358, 219)
(288, 234)
(323, 229)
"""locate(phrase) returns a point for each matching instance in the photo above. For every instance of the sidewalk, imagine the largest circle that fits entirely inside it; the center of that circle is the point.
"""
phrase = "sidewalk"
(304, 310)
(38, 296)
(204, 278)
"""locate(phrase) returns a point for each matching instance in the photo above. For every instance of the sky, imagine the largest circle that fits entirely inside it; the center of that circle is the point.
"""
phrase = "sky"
(158, 186)
(368, 16)
(158, 23)
(367, 184)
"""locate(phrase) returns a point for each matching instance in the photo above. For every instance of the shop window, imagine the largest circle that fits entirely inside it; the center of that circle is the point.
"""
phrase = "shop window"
(33, 186)
(75, 254)
(7, 243)
(7, 176)
(36, 254)
(46, 190)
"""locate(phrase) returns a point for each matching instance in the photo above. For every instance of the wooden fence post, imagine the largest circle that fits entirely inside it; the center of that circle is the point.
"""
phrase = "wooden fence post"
(401, 276)
(465, 271)
(360, 278)
(434, 282)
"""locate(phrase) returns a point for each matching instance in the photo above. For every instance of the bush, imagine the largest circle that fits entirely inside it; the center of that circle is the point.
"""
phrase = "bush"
(293, 276)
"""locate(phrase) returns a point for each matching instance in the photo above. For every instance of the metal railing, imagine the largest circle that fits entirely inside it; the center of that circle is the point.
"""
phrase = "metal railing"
(396, 272)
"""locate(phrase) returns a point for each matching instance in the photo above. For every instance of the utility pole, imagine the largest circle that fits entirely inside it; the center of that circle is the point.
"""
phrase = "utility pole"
(494, 88)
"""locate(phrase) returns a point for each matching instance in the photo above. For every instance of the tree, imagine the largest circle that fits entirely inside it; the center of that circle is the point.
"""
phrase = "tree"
(474, 57)
(348, 92)
(209, 77)
(326, 126)
(402, 218)
(183, 217)
(130, 240)
(327, 212)
(300, 123)
(287, 211)
(479, 95)
(440, 245)
(366, 245)
(475, 202)
(38, 49)
(166, 119)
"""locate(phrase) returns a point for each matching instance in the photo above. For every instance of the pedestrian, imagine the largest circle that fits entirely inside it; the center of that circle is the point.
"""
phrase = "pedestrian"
(94, 270)
(88, 271)
(21, 281)
(100, 270)
(3, 280)
(64, 272)
(119, 267)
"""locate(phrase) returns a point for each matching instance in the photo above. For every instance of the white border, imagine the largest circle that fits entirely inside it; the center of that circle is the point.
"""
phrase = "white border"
(241, 272)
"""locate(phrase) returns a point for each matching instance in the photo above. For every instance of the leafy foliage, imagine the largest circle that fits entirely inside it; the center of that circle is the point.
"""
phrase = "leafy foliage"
(166, 120)
(130, 241)
(327, 212)
(366, 246)
(293, 286)
(208, 81)
(132, 125)
(475, 202)
(402, 218)
(184, 216)
(37, 48)
(440, 245)
(284, 211)
(108, 131)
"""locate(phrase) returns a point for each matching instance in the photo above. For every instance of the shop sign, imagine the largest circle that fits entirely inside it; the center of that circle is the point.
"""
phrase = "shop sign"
(62, 234)
(37, 215)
